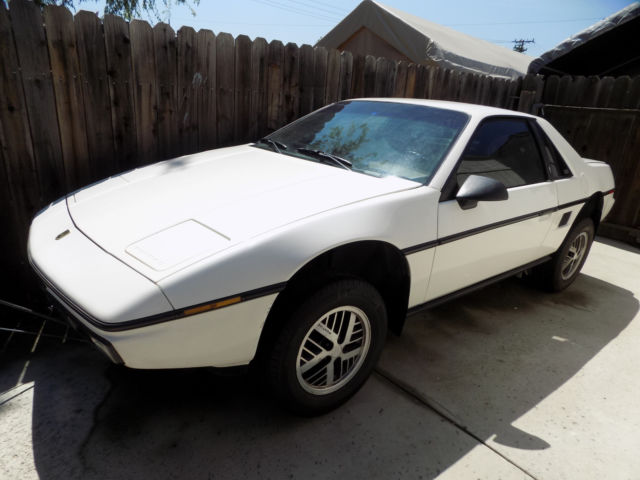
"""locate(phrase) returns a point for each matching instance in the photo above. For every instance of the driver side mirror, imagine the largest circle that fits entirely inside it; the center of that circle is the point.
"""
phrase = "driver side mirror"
(478, 188)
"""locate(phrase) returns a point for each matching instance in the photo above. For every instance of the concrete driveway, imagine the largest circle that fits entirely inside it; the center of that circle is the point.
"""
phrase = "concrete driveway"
(505, 383)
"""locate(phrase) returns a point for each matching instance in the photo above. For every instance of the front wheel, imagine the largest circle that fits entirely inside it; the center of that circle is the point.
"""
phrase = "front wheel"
(566, 263)
(328, 347)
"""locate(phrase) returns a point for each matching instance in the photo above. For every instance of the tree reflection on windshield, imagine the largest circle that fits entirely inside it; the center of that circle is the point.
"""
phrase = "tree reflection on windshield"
(346, 145)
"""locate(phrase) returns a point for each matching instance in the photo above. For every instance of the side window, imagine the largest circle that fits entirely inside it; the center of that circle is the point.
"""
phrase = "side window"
(557, 166)
(503, 149)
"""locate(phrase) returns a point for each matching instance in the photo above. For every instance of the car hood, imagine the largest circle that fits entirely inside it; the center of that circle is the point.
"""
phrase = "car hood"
(161, 218)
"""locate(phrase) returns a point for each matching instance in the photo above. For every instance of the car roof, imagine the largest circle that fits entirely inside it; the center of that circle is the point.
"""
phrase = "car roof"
(468, 108)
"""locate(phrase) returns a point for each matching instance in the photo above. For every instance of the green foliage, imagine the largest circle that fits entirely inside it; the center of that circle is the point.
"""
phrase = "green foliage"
(159, 9)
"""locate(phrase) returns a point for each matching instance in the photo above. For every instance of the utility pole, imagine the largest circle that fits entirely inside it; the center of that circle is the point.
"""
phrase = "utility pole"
(518, 44)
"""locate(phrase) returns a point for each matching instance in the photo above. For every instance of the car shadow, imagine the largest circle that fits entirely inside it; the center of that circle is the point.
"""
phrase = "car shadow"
(483, 360)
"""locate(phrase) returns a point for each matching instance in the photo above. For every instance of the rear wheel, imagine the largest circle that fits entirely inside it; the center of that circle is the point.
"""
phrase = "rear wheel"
(566, 263)
(328, 347)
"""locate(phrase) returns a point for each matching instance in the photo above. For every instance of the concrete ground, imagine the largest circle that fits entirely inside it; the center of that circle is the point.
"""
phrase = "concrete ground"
(507, 382)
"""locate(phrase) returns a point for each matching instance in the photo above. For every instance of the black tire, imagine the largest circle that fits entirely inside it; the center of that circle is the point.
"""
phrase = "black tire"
(304, 392)
(558, 274)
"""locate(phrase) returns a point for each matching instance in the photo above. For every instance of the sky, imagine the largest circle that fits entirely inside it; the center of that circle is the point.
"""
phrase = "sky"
(548, 22)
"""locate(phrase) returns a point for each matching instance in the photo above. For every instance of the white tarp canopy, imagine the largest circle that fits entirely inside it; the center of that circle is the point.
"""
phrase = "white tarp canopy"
(426, 42)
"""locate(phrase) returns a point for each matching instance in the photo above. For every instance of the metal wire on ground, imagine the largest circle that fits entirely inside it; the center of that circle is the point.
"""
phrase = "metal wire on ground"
(23, 336)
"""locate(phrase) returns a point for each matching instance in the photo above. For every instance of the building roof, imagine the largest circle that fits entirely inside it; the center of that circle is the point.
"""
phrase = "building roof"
(423, 41)
(609, 47)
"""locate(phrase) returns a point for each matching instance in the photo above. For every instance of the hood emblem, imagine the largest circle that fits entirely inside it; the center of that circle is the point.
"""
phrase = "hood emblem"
(63, 234)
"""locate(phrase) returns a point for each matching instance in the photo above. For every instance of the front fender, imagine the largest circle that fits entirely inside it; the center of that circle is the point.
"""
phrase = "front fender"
(403, 219)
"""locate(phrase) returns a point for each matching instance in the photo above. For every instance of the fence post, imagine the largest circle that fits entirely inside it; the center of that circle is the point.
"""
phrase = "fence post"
(531, 93)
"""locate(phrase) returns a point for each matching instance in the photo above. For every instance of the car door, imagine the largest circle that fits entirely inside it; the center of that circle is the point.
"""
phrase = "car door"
(493, 237)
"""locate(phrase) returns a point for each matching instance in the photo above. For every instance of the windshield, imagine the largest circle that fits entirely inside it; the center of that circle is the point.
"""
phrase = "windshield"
(377, 138)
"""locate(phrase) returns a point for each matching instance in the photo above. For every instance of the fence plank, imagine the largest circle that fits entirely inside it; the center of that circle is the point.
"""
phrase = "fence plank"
(633, 98)
(357, 77)
(11, 239)
(207, 100)
(307, 67)
(532, 87)
(369, 76)
(17, 280)
(503, 101)
(189, 82)
(65, 71)
(346, 73)
(497, 92)
(243, 89)
(116, 36)
(291, 82)
(465, 86)
(144, 90)
(400, 84)
(550, 92)
(439, 80)
(392, 73)
(453, 87)
(604, 92)
(164, 42)
(619, 90)
(564, 88)
(474, 88)
(92, 61)
(576, 91)
(30, 41)
(258, 88)
(18, 163)
(410, 84)
(424, 81)
(200, 88)
(380, 78)
(320, 77)
(333, 76)
(514, 93)
(275, 60)
(484, 89)
(225, 66)
(591, 92)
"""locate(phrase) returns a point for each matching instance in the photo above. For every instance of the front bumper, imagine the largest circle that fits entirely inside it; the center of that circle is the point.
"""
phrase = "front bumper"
(227, 337)
(126, 315)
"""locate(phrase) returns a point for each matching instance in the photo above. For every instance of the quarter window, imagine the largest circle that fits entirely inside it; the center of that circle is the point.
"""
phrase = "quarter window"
(503, 149)
(556, 164)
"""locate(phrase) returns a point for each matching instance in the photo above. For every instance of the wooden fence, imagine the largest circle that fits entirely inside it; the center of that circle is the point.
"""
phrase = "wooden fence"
(83, 98)
(612, 135)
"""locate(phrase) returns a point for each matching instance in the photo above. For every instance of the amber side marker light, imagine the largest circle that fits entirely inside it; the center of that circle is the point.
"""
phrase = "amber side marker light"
(212, 306)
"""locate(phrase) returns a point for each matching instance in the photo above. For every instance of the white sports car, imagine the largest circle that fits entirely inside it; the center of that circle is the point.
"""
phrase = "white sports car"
(297, 252)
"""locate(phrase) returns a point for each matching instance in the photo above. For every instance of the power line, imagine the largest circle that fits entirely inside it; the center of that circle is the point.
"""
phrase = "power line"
(224, 22)
(331, 10)
(520, 23)
(299, 11)
(329, 5)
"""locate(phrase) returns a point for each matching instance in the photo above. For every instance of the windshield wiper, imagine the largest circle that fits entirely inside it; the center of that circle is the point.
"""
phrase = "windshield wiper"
(323, 156)
(277, 146)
